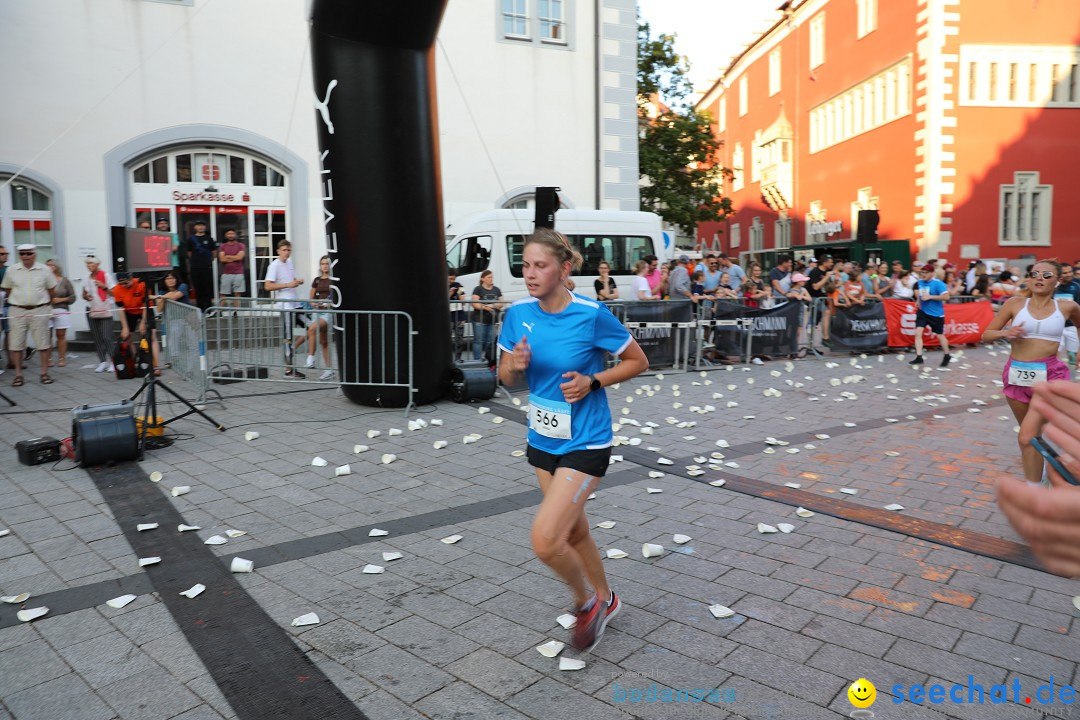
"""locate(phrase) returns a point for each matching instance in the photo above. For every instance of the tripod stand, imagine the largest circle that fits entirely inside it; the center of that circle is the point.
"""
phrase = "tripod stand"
(149, 386)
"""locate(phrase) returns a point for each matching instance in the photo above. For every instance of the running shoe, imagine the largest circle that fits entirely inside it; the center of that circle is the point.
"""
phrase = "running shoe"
(310, 361)
(291, 373)
(917, 361)
(102, 367)
(757, 361)
(945, 360)
(326, 374)
(592, 620)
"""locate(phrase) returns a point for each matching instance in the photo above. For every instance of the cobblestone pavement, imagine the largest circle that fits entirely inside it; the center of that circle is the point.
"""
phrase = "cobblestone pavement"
(450, 631)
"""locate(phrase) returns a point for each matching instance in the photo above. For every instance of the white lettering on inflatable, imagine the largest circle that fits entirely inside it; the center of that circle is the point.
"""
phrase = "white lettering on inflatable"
(323, 106)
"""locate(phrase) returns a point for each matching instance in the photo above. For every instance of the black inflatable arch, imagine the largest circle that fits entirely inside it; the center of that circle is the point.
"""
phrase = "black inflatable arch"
(376, 115)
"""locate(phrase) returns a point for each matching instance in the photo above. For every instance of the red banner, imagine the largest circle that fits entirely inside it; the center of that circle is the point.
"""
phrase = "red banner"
(964, 322)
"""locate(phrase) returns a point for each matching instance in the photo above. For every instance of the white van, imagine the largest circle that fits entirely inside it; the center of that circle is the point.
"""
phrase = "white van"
(494, 240)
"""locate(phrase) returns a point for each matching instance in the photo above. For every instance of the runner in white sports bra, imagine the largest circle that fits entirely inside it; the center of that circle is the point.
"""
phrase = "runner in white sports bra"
(1037, 325)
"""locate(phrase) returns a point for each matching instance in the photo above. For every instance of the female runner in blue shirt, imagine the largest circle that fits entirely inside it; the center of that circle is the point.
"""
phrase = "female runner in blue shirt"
(558, 340)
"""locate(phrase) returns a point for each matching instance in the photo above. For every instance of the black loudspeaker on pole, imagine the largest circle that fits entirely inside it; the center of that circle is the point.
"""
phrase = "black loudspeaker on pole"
(376, 116)
(547, 204)
(866, 232)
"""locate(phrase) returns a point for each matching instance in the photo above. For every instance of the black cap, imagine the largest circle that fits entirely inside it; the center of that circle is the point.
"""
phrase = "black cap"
(123, 275)
(200, 222)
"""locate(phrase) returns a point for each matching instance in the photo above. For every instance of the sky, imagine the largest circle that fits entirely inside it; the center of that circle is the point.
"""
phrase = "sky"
(709, 32)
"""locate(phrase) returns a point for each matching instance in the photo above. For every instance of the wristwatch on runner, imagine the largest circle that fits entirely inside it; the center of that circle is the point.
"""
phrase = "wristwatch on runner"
(595, 384)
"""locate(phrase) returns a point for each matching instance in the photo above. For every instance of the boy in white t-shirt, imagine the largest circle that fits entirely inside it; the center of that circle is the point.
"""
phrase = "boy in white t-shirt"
(281, 279)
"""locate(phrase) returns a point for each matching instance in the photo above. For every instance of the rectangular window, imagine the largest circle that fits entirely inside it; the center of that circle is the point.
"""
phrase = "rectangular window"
(236, 169)
(552, 21)
(183, 168)
(774, 72)
(817, 40)
(867, 16)
(736, 230)
(515, 18)
(757, 235)
(782, 231)
(620, 251)
(1024, 215)
(880, 99)
(742, 95)
(737, 168)
(159, 169)
(1020, 75)
(903, 89)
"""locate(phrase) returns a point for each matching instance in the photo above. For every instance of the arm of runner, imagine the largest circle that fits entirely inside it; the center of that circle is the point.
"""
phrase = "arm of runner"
(994, 330)
(632, 362)
(513, 364)
(1074, 313)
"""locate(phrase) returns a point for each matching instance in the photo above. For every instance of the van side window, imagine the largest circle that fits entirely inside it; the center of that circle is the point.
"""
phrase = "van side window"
(620, 251)
(470, 255)
(515, 250)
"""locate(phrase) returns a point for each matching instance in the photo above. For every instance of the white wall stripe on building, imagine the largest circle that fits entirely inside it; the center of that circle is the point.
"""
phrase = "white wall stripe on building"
(933, 92)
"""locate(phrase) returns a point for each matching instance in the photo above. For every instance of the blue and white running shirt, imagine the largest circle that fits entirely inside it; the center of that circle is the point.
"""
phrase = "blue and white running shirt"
(574, 339)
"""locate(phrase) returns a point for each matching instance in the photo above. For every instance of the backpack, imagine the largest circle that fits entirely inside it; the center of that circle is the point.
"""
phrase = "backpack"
(124, 361)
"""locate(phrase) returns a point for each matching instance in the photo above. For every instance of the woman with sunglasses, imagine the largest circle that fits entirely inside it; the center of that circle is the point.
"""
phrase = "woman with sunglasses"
(1037, 326)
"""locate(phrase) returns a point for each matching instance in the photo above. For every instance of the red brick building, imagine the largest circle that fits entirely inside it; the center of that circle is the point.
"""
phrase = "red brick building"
(958, 120)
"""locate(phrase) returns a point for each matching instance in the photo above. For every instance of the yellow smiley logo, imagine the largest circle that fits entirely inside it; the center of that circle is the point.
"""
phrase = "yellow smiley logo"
(862, 693)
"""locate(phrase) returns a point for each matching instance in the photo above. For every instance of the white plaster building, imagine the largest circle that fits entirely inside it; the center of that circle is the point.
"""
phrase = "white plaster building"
(125, 110)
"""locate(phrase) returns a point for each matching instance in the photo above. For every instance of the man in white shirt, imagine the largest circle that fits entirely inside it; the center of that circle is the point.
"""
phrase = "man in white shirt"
(29, 285)
(282, 281)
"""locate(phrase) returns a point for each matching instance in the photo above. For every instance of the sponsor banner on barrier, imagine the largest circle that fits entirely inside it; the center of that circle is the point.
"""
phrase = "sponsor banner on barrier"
(964, 322)
(657, 342)
(859, 327)
(776, 329)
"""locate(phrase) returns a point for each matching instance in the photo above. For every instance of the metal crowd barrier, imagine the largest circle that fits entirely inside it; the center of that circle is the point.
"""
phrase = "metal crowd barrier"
(260, 340)
(183, 344)
(463, 331)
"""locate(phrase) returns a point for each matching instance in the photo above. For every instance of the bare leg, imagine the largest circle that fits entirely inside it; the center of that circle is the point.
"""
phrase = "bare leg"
(562, 509)
(324, 331)
(581, 540)
(944, 343)
(16, 359)
(46, 355)
(61, 347)
(1031, 424)
(918, 340)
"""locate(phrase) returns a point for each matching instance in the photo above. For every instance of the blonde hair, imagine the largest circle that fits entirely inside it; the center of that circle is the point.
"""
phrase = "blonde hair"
(640, 266)
(558, 245)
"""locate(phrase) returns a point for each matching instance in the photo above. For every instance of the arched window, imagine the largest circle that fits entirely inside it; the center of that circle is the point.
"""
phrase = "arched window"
(203, 166)
(26, 216)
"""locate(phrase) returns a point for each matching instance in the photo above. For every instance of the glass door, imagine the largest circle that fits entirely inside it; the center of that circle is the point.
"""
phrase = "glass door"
(268, 230)
(232, 217)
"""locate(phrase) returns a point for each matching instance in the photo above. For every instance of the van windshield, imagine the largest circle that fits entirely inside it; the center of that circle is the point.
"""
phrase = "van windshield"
(621, 252)
(470, 255)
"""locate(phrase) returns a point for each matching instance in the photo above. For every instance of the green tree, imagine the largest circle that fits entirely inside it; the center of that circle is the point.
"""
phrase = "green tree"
(676, 145)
